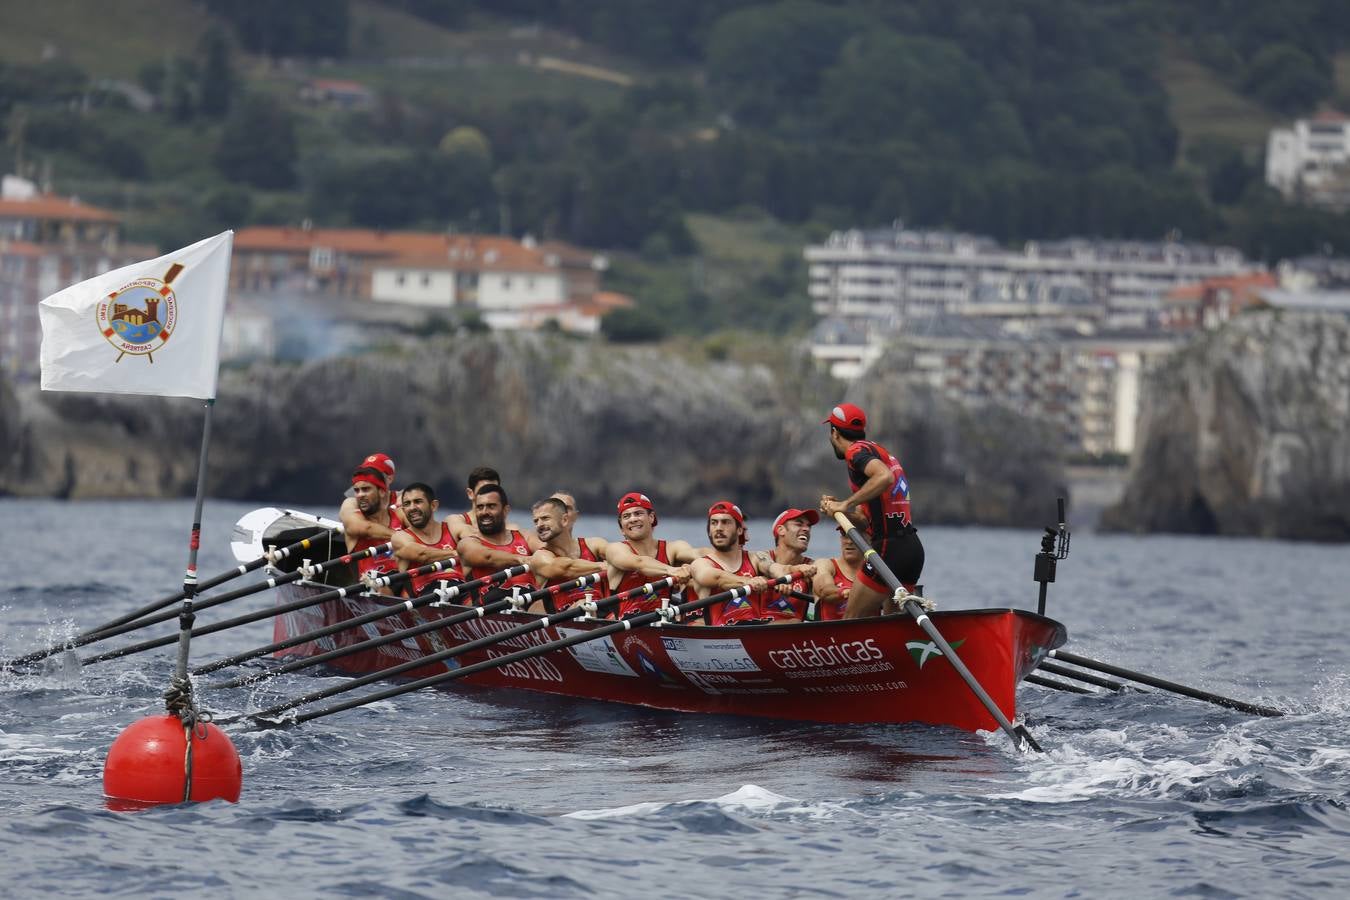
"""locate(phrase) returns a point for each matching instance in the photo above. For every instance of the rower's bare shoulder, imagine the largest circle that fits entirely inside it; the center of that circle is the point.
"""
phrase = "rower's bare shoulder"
(683, 551)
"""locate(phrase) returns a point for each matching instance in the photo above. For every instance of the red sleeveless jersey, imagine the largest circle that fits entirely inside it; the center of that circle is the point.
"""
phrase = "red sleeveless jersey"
(784, 606)
(892, 507)
(423, 583)
(381, 563)
(738, 609)
(517, 545)
(643, 602)
(830, 612)
(556, 602)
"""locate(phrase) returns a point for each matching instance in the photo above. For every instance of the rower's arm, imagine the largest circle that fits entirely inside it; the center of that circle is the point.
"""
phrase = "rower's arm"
(413, 553)
(823, 585)
(879, 479)
(357, 526)
(622, 557)
(713, 578)
(473, 552)
(549, 566)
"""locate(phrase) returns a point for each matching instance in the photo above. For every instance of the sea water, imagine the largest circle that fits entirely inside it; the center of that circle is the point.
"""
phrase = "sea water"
(472, 791)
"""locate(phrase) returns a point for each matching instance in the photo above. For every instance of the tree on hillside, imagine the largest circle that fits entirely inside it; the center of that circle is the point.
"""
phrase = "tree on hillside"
(468, 145)
(292, 28)
(1288, 79)
(766, 61)
(257, 144)
(217, 78)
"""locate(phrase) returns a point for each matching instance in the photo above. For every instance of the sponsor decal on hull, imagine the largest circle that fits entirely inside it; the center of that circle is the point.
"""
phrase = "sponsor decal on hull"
(598, 656)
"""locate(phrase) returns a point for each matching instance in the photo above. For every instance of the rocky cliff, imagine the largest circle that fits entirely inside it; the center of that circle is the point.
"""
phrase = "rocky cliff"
(549, 412)
(1247, 432)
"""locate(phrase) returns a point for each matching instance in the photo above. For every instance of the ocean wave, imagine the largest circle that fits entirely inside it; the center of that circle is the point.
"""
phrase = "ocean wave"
(748, 800)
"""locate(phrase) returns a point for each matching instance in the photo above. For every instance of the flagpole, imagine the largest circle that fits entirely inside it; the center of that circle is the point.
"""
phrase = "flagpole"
(185, 618)
(85, 338)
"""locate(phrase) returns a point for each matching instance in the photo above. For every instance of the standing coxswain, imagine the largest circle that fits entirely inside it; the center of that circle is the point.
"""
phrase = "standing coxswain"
(879, 503)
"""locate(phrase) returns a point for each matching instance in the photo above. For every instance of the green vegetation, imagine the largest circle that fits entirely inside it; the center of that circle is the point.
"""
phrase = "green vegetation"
(699, 142)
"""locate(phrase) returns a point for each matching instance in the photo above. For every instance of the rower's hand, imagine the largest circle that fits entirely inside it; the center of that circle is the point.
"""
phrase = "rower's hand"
(679, 575)
(758, 583)
(805, 570)
(830, 505)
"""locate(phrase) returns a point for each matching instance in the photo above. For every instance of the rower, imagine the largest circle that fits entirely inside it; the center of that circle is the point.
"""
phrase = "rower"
(834, 580)
(792, 537)
(727, 565)
(368, 520)
(879, 504)
(462, 524)
(493, 547)
(640, 558)
(564, 557)
(425, 540)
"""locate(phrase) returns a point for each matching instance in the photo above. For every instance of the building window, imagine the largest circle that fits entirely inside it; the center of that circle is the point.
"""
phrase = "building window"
(426, 280)
(506, 283)
(400, 279)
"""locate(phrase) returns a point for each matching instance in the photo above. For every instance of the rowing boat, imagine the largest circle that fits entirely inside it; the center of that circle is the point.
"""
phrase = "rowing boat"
(882, 670)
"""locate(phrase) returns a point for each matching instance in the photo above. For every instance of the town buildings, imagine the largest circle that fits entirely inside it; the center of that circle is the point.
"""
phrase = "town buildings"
(47, 243)
(303, 292)
(1310, 162)
(374, 275)
(884, 274)
(1060, 330)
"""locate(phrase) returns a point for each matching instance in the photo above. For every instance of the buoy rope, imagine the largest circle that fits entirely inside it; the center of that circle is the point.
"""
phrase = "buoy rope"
(179, 701)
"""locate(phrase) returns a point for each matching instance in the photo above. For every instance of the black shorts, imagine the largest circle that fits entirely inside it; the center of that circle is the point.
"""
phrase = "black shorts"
(902, 552)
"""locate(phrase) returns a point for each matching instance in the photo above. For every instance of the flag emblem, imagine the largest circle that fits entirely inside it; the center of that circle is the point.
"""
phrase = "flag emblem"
(922, 651)
(141, 316)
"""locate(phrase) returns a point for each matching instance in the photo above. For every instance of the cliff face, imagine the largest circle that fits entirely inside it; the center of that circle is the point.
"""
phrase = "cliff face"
(1247, 433)
(550, 413)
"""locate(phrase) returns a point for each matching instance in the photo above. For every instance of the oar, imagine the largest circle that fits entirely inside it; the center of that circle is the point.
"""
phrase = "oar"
(438, 595)
(273, 611)
(1163, 684)
(665, 614)
(91, 633)
(305, 662)
(1081, 676)
(907, 602)
(451, 652)
(1056, 685)
(202, 603)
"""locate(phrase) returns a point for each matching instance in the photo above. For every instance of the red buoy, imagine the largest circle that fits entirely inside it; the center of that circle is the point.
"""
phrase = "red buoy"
(146, 764)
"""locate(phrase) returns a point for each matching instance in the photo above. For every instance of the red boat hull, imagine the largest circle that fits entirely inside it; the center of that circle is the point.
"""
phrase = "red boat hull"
(861, 671)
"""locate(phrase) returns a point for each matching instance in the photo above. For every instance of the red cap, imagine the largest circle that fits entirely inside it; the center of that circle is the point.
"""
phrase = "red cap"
(727, 508)
(848, 417)
(632, 500)
(383, 463)
(787, 515)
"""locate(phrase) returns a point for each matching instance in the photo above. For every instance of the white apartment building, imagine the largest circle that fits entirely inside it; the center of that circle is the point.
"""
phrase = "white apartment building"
(1311, 161)
(892, 273)
(1086, 385)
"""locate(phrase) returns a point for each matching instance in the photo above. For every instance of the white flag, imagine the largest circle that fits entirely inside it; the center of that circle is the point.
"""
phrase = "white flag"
(148, 328)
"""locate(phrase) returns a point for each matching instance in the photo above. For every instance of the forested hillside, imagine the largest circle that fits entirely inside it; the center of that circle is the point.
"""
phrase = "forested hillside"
(611, 123)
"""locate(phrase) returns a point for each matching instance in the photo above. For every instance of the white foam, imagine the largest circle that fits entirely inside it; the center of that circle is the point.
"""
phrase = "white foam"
(1118, 764)
(748, 799)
